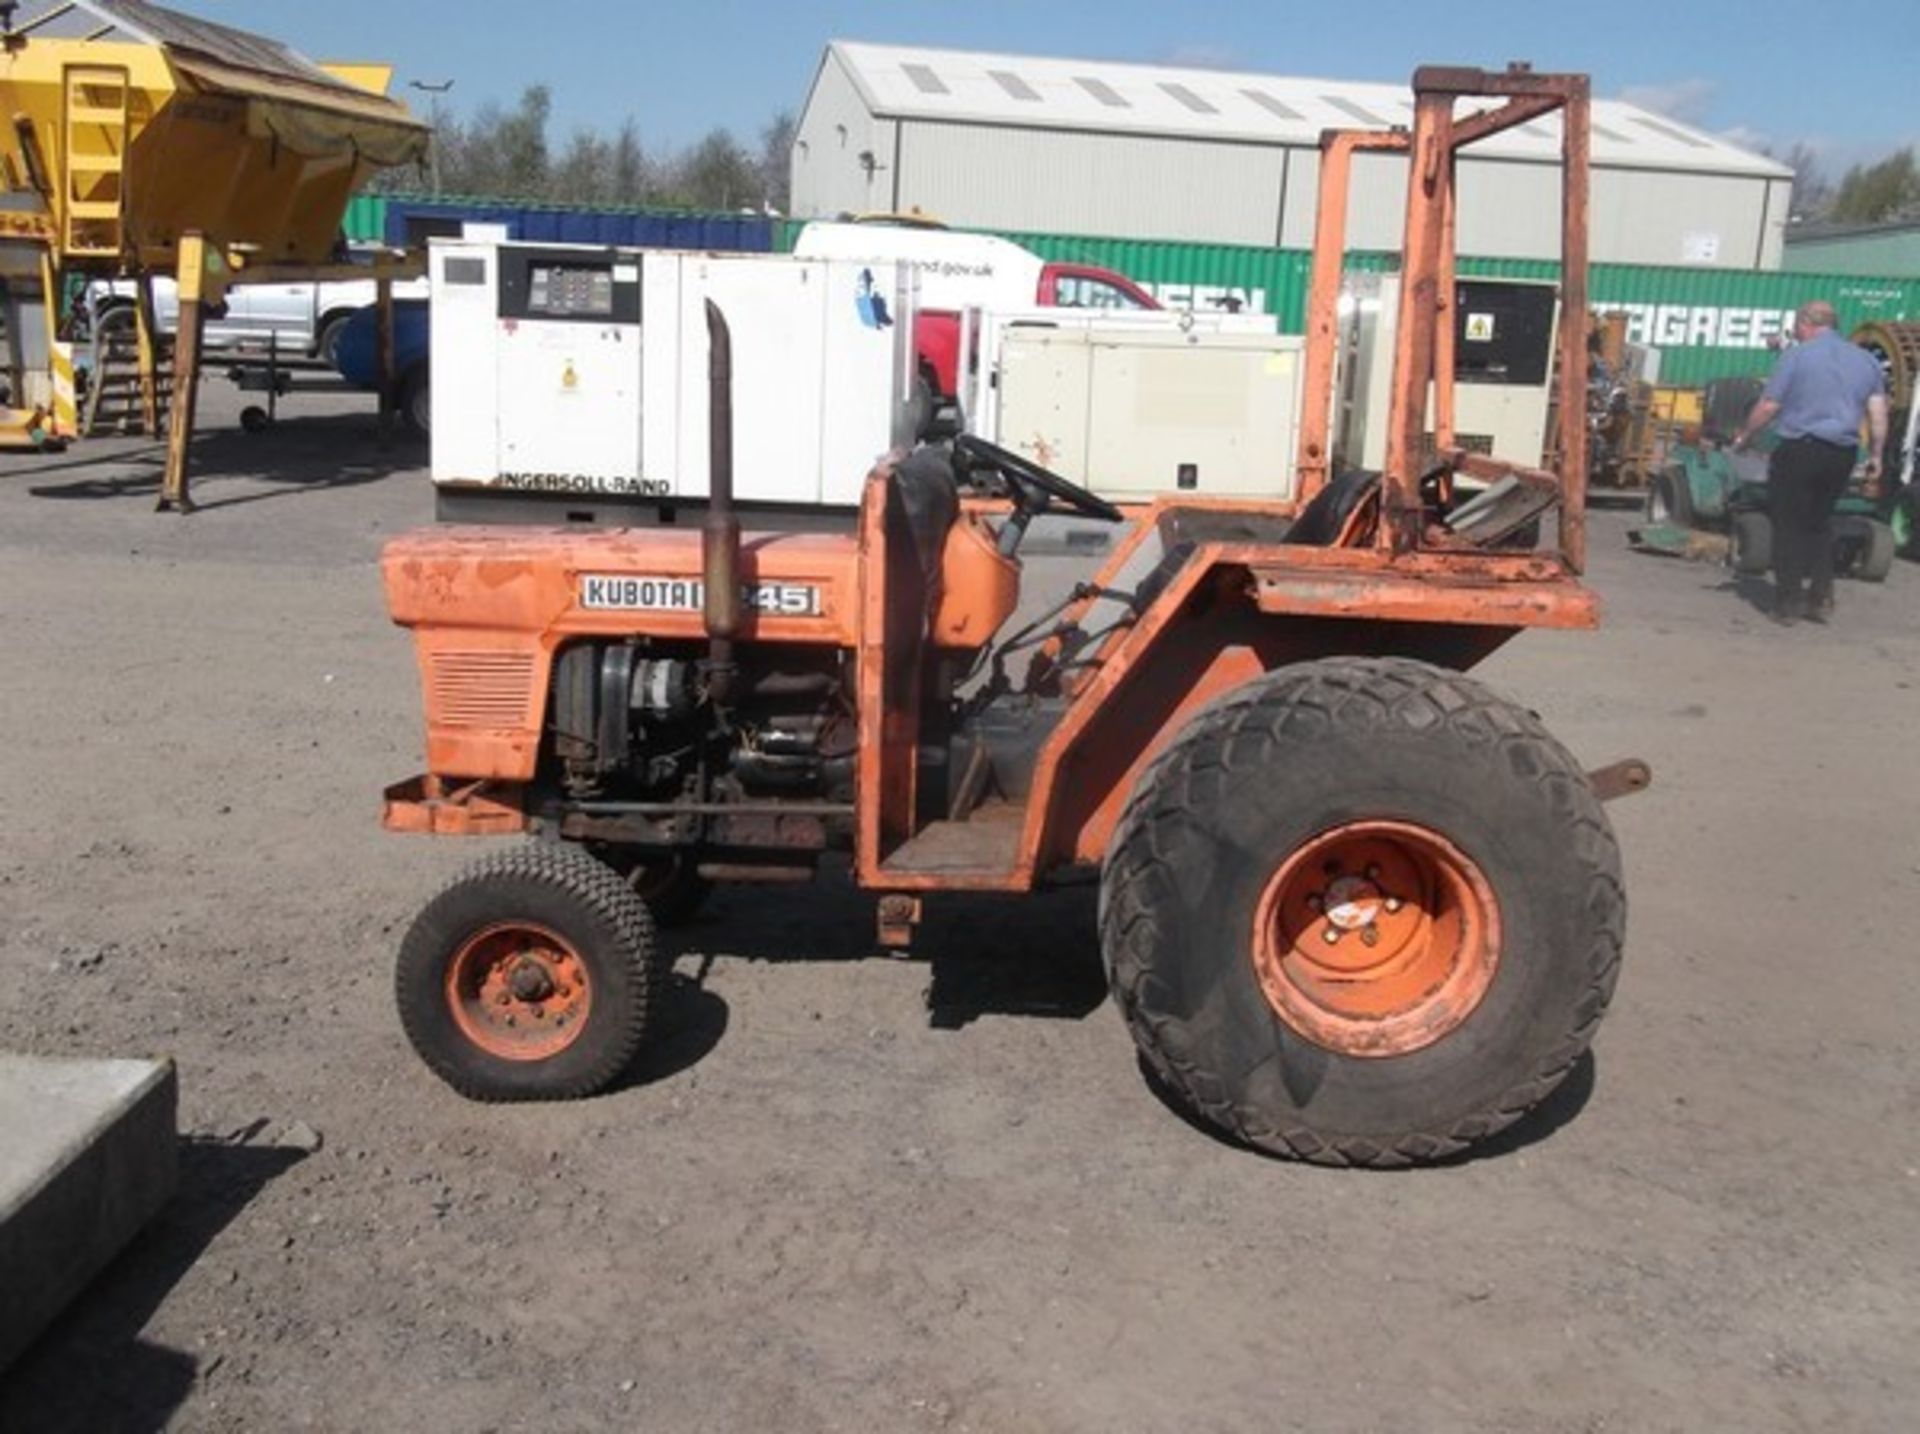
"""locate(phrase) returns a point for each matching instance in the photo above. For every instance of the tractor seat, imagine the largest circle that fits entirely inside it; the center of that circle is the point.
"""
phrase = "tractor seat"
(1321, 522)
(922, 504)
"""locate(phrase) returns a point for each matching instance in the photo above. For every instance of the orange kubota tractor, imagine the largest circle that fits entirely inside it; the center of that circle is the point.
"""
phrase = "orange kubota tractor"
(1356, 907)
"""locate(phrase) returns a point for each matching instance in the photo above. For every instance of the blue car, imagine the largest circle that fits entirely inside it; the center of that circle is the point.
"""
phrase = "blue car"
(356, 355)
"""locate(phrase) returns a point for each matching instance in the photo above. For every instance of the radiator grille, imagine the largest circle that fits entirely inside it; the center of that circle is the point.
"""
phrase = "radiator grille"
(481, 689)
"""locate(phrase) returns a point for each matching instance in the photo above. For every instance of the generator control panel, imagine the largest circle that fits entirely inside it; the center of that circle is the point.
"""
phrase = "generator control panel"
(564, 289)
(546, 284)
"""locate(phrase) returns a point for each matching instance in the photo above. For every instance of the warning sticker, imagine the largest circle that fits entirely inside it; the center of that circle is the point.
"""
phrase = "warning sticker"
(1479, 328)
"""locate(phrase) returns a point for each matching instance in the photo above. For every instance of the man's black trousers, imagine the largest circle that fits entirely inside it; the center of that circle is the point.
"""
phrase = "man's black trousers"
(1804, 480)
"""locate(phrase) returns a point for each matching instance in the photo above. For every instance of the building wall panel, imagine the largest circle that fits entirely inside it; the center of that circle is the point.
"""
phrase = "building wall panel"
(828, 174)
(1090, 182)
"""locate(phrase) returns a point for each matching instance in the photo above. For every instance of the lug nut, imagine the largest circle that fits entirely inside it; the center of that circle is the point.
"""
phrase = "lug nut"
(1331, 935)
(1394, 903)
(1370, 936)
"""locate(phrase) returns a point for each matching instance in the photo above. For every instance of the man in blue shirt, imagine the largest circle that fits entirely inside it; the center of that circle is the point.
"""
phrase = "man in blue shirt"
(1819, 392)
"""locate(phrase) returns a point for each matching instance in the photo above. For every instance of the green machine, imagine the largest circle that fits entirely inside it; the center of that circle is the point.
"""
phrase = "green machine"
(1706, 486)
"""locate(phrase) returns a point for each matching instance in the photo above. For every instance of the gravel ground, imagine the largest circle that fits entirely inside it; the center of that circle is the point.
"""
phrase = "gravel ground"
(852, 1192)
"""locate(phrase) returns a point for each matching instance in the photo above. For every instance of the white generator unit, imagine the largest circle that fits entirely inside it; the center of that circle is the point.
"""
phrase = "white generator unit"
(1503, 334)
(580, 372)
(1137, 405)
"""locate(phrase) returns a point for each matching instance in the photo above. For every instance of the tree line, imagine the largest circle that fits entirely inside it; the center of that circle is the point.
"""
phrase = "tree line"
(505, 153)
(1866, 194)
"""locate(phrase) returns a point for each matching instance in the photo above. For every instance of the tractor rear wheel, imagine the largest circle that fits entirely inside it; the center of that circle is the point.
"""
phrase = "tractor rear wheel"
(533, 976)
(1363, 911)
(1750, 542)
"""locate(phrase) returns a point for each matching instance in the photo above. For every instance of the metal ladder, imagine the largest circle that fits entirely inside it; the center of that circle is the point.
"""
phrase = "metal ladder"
(93, 152)
(116, 396)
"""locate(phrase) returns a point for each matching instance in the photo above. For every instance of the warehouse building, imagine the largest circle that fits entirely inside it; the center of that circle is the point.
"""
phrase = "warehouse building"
(1013, 142)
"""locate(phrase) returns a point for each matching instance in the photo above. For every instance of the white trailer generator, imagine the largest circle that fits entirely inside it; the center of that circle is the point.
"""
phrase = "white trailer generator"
(574, 378)
(1142, 404)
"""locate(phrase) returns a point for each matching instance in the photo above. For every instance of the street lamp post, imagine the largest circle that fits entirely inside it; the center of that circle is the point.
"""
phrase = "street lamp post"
(433, 118)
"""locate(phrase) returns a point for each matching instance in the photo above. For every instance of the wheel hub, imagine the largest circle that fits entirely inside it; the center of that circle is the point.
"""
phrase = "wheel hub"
(1351, 903)
(530, 981)
(518, 991)
(1376, 938)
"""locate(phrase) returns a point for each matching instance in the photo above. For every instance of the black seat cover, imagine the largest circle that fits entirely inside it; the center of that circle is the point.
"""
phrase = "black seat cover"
(1322, 519)
(923, 502)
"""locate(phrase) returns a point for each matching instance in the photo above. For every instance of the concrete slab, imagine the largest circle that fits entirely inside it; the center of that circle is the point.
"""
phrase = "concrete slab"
(88, 1154)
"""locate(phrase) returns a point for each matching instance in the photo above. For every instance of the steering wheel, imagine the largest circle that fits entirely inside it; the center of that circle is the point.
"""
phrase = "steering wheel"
(1035, 489)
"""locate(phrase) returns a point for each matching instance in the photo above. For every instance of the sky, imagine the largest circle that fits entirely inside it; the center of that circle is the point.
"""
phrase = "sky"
(1836, 74)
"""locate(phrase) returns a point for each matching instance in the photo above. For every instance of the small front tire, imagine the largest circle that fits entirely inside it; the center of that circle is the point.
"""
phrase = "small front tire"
(533, 976)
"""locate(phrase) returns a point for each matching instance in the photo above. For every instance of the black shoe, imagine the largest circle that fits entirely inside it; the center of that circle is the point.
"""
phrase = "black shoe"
(1788, 610)
(1820, 610)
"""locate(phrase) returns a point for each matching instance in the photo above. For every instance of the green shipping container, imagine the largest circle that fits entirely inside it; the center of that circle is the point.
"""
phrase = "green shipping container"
(366, 221)
(1707, 323)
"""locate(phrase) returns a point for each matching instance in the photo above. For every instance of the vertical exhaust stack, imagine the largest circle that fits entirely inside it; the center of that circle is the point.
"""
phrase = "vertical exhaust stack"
(720, 532)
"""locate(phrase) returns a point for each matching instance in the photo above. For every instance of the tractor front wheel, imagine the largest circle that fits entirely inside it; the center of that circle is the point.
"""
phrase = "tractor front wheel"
(1363, 912)
(532, 977)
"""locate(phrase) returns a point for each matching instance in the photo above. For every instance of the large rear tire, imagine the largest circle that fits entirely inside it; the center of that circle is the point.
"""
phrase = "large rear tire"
(1363, 911)
(533, 976)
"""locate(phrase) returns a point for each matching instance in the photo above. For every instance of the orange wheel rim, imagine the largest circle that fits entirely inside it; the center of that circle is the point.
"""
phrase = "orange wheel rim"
(519, 991)
(1376, 938)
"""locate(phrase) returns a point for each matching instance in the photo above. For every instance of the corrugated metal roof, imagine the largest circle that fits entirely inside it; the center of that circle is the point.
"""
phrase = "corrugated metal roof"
(1225, 105)
(241, 49)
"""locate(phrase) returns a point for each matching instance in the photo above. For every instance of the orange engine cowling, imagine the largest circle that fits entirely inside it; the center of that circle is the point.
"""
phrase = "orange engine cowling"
(489, 607)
